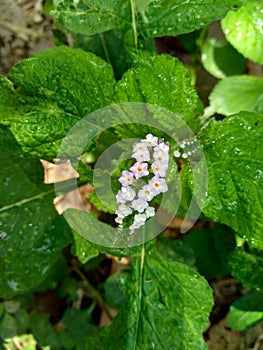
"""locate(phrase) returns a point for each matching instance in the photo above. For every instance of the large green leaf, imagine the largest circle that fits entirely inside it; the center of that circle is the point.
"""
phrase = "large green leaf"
(56, 88)
(174, 17)
(109, 45)
(40, 132)
(227, 99)
(233, 149)
(93, 17)
(30, 238)
(77, 81)
(244, 30)
(134, 18)
(221, 59)
(163, 81)
(211, 247)
(246, 311)
(160, 295)
(247, 266)
(175, 250)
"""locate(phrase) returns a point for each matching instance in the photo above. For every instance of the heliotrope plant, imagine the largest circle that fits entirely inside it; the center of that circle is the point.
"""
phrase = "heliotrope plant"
(43, 98)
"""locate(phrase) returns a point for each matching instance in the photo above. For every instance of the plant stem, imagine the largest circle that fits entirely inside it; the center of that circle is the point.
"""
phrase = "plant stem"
(140, 293)
(103, 43)
(134, 26)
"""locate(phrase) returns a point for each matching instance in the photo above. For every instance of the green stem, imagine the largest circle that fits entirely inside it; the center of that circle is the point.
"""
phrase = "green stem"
(202, 37)
(139, 294)
(134, 26)
(103, 43)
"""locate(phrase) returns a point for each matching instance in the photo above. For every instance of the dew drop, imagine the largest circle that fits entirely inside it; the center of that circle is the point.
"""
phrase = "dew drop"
(177, 154)
(259, 174)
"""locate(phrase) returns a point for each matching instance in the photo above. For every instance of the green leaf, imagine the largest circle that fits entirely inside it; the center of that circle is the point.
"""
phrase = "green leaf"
(30, 238)
(163, 81)
(22, 320)
(111, 292)
(43, 331)
(55, 277)
(109, 45)
(79, 324)
(159, 294)
(235, 178)
(211, 247)
(101, 198)
(237, 93)
(174, 17)
(259, 105)
(77, 81)
(95, 231)
(83, 249)
(184, 191)
(175, 250)
(247, 267)
(93, 17)
(56, 88)
(8, 326)
(244, 30)
(246, 311)
(220, 59)
(40, 132)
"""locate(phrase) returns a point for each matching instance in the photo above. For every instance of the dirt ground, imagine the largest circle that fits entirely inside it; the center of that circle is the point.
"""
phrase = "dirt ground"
(24, 30)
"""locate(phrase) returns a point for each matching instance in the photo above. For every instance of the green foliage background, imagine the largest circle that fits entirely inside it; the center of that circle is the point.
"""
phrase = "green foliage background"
(113, 61)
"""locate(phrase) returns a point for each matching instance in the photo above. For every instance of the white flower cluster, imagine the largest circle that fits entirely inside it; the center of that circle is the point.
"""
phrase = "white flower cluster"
(156, 152)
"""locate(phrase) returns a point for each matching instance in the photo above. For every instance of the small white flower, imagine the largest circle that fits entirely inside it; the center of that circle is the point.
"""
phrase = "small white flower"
(139, 205)
(149, 212)
(119, 220)
(161, 157)
(161, 153)
(126, 178)
(158, 185)
(139, 220)
(132, 228)
(140, 146)
(125, 194)
(139, 170)
(123, 210)
(162, 147)
(159, 168)
(150, 140)
(146, 193)
(142, 155)
(119, 197)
